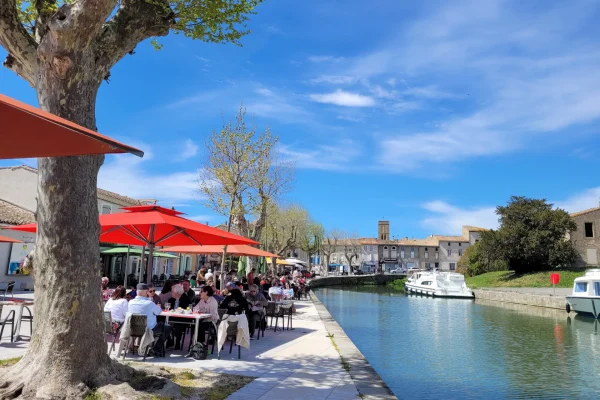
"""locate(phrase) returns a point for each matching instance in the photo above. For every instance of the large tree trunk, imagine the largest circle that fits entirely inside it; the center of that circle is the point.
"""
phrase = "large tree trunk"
(67, 353)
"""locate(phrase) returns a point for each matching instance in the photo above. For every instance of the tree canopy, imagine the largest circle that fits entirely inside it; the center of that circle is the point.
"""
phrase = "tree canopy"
(532, 237)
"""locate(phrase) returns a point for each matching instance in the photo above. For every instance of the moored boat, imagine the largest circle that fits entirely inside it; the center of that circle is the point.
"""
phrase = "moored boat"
(585, 298)
(438, 284)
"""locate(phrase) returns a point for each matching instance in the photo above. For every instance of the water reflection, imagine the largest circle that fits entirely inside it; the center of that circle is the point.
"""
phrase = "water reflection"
(456, 349)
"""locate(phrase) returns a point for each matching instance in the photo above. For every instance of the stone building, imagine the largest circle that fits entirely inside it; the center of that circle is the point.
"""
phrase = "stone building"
(586, 238)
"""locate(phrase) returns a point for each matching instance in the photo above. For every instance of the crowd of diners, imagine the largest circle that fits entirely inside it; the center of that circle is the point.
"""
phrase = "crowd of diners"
(248, 295)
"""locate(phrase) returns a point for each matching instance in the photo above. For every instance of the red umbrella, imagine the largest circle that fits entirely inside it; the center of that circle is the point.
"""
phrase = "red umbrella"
(29, 132)
(6, 239)
(238, 249)
(156, 226)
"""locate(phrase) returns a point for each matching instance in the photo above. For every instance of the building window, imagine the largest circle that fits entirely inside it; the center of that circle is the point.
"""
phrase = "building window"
(589, 229)
(412, 252)
(459, 252)
(460, 244)
(371, 248)
(427, 266)
(452, 266)
(437, 255)
(426, 255)
(401, 253)
(385, 247)
(449, 244)
(366, 248)
(106, 209)
(449, 252)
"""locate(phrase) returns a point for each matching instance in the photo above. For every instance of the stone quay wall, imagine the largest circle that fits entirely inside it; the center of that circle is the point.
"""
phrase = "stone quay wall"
(353, 280)
(535, 300)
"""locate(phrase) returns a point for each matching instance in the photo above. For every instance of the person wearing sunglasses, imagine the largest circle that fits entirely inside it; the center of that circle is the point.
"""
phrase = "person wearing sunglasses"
(152, 295)
(257, 301)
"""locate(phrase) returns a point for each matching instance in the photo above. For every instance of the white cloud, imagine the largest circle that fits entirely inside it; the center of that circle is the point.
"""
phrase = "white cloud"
(334, 79)
(446, 219)
(200, 218)
(510, 102)
(428, 92)
(323, 59)
(131, 176)
(336, 157)
(270, 104)
(343, 98)
(190, 149)
(589, 198)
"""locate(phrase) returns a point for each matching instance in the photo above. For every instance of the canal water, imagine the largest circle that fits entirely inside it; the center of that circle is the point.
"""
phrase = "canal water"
(426, 348)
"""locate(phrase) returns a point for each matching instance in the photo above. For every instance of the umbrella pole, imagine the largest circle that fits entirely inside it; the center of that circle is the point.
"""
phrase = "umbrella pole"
(126, 267)
(150, 268)
(142, 264)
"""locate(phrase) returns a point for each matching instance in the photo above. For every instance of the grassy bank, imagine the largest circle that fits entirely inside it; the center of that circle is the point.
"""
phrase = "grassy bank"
(510, 279)
(397, 284)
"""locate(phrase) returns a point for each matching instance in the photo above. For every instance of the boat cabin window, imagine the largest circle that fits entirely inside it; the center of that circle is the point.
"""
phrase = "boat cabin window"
(580, 287)
(596, 288)
(427, 283)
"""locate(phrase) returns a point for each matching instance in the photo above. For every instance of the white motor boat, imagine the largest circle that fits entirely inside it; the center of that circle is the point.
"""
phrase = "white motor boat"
(585, 298)
(438, 284)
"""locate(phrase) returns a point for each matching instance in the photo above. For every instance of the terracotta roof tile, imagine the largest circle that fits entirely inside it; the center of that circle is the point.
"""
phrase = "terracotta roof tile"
(11, 214)
(475, 228)
(589, 210)
(450, 238)
(433, 242)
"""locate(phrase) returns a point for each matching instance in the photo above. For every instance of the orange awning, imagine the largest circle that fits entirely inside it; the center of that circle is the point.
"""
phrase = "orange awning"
(237, 249)
(28, 132)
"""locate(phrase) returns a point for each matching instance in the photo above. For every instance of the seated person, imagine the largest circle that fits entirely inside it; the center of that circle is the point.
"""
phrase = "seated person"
(189, 292)
(142, 304)
(178, 300)
(155, 298)
(117, 305)
(255, 299)
(206, 305)
(235, 303)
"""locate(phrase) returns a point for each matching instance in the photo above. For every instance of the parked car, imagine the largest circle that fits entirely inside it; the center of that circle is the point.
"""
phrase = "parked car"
(396, 271)
(358, 272)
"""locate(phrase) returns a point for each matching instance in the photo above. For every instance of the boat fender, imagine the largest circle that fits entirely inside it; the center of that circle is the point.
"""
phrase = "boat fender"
(568, 308)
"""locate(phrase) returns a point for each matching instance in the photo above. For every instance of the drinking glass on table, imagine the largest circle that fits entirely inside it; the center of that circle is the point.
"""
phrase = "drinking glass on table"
(167, 306)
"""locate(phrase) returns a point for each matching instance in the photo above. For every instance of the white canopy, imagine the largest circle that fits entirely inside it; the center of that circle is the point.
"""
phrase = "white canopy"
(295, 261)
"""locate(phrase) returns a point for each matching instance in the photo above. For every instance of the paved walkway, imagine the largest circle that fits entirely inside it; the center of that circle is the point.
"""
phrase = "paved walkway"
(292, 364)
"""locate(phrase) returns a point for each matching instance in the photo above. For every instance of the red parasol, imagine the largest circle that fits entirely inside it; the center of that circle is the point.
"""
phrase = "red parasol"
(156, 226)
(29, 132)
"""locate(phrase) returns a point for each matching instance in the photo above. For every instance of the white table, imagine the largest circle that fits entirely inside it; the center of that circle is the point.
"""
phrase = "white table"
(196, 317)
(18, 315)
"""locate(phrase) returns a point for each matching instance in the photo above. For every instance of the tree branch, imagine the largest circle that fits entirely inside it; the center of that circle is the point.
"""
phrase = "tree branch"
(134, 22)
(18, 43)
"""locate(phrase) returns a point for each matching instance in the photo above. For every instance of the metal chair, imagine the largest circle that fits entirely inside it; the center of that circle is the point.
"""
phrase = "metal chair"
(28, 318)
(231, 332)
(272, 310)
(10, 319)
(111, 329)
(286, 310)
(138, 324)
(8, 290)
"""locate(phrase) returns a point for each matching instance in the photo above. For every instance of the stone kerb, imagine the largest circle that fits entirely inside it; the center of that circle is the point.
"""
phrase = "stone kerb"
(353, 280)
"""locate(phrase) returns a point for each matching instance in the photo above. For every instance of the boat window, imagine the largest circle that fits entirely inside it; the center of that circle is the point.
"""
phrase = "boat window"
(580, 287)
(596, 288)
(428, 283)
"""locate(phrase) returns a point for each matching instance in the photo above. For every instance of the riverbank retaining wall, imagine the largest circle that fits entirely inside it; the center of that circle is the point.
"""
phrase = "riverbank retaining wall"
(535, 300)
(353, 280)
(367, 381)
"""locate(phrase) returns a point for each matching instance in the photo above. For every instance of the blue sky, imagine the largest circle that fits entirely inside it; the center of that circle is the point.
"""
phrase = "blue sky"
(427, 114)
